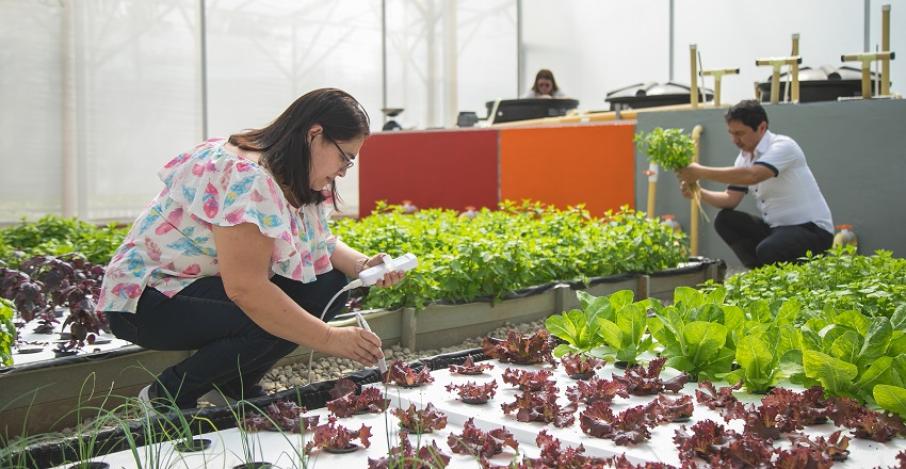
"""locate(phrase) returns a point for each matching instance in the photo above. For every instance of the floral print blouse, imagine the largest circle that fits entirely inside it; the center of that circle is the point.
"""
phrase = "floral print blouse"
(171, 243)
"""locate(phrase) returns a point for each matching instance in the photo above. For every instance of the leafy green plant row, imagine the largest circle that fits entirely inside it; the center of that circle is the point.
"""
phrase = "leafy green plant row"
(846, 352)
(494, 252)
(56, 236)
(7, 332)
(840, 280)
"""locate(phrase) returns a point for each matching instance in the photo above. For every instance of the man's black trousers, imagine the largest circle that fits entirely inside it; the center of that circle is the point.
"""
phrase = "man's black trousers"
(756, 244)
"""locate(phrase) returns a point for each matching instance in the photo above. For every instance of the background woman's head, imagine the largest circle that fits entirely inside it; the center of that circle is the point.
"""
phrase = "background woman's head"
(545, 83)
(314, 141)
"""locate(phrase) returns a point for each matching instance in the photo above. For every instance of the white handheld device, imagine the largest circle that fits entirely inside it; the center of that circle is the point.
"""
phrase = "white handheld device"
(371, 275)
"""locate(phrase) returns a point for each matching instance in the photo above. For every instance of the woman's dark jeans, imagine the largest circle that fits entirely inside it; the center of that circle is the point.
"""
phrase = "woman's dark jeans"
(232, 352)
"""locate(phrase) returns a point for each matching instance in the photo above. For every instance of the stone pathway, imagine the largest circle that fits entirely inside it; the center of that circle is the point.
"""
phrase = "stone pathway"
(284, 377)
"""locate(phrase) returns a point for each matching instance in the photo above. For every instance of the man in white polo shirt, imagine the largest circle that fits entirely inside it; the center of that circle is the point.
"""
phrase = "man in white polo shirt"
(794, 215)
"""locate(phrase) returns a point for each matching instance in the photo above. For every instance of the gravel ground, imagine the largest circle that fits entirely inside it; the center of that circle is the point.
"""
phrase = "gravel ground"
(328, 368)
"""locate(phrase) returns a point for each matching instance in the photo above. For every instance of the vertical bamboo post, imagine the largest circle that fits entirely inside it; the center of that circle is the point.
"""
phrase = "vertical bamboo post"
(693, 69)
(866, 60)
(794, 70)
(775, 84)
(866, 79)
(885, 47)
(693, 220)
(717, 90)
(651, 172)
(776, 63)
(718, 75)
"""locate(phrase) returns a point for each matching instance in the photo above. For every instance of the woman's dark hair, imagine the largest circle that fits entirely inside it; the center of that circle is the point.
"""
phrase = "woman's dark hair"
(283, 144)
(749, 112)
(546, 75)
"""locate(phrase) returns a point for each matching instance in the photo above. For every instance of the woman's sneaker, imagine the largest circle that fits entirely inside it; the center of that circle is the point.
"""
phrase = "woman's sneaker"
(144, 396)
(149, 399)
(216, 399)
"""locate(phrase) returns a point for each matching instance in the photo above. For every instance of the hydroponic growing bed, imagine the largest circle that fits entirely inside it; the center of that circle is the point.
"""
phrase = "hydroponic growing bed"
(32, 347)
(662, 426)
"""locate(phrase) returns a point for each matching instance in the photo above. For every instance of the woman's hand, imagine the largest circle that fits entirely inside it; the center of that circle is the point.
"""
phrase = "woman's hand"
(390, 278)
(354, 343)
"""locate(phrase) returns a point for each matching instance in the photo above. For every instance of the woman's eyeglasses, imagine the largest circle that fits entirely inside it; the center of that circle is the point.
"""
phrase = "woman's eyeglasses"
(347, 160)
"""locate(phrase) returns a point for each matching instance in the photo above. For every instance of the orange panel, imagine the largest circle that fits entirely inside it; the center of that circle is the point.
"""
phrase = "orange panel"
(571, 164)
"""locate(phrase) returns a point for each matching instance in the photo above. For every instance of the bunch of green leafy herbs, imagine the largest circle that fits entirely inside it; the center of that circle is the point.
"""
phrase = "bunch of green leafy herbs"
(670, 149)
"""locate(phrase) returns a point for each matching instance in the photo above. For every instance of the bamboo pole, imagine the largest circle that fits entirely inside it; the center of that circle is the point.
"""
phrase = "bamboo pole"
(885, 47)
(867, 59)
(718, 74)
(693, 68)
(776, 63)
(693, 204)
(652, 173)
(794, 70)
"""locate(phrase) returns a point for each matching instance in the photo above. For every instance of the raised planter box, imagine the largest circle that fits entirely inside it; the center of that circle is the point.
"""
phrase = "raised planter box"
(44, 394)
(694, 272)
(441, 325)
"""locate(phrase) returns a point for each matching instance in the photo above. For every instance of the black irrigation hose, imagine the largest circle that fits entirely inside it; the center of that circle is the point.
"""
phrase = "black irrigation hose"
(313, 396)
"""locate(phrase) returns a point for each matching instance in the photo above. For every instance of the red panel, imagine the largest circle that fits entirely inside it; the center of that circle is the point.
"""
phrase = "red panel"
(444, 168)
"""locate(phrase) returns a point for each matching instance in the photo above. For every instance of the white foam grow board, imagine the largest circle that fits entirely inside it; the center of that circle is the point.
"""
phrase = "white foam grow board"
(282, 450)
(660, 448)
(50, 341)
(279, 449)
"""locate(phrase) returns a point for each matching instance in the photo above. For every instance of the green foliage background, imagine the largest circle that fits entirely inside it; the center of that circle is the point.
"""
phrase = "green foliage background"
(500, 251)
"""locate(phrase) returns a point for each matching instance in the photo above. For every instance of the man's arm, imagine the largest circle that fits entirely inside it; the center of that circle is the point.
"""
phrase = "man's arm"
(728, 175)
(728, 198)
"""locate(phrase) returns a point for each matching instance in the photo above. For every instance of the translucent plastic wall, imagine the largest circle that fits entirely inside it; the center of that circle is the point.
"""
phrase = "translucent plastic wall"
(30, 108)
(95, 95)
(417, 45)
(108, 88)
(112, 89)
(597, 46)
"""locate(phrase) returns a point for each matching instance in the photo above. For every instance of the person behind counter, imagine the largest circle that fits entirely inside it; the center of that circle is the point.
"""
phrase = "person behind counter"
(545, 86)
